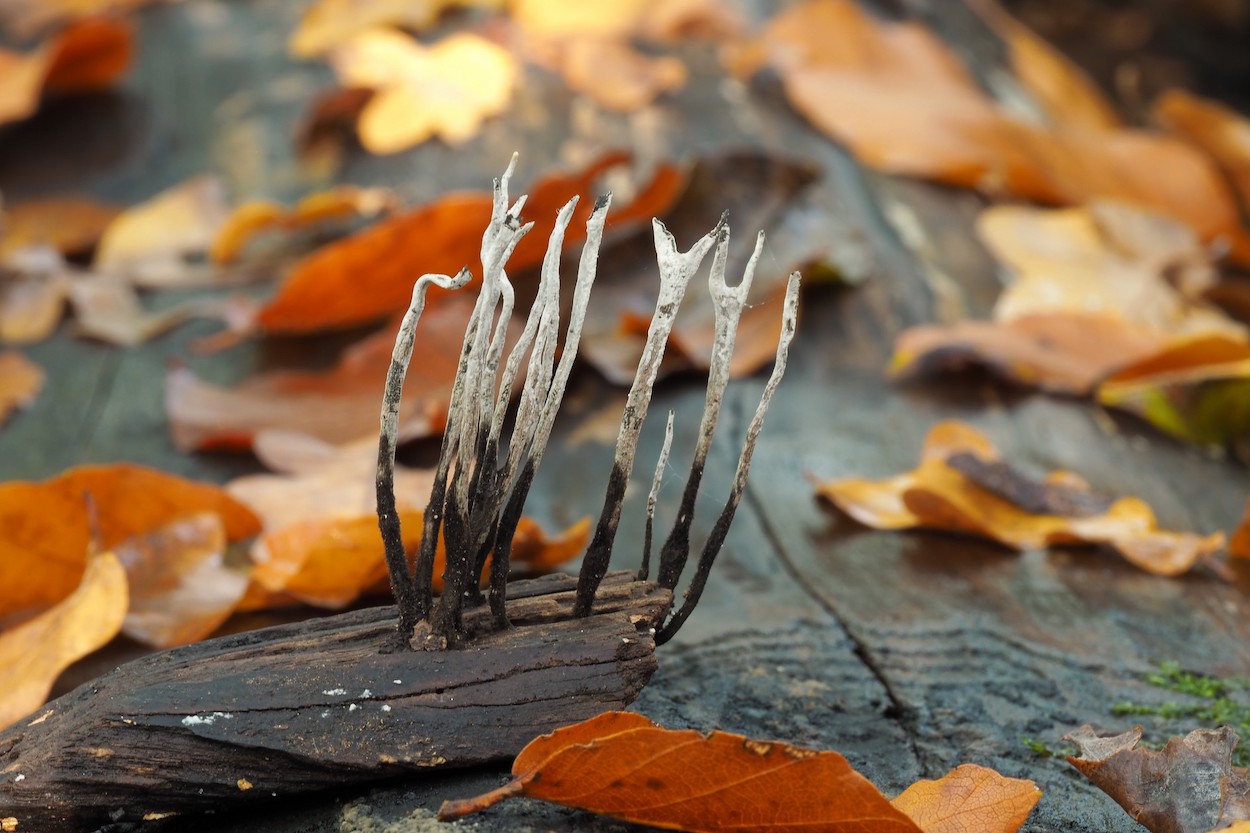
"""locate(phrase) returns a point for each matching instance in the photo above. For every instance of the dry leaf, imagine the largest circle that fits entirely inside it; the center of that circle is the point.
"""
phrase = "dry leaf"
(108, 308)
(328, 23)
(969, 797)
(24, 18)
(1096, 289)
(35, 652)
(180, 589)
(618, 76)
(252, 218)
(1221, 132)
(20, 382)
(962, 485)
(338, 405)
(45, 528)
(369, 275)
(148, 243)
(903, 103)
(85, 56)
(1190, 786)
(445, 90)
(622, 765)
(69, 225)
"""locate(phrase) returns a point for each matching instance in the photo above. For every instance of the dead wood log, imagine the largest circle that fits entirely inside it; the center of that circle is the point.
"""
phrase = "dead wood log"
(322, 703)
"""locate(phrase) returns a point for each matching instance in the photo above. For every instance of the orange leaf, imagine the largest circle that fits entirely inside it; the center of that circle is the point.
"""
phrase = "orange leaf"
(70, 226)
(1221, 132)
(622, 765)
(969, 797)
(327, 23)
(31, 304)
(35, 652)
(180, 589)
(45, 529)
(85, 56)
(901, 101)
(20, 382)
(961, 485)
(618, 76)
(369, 275)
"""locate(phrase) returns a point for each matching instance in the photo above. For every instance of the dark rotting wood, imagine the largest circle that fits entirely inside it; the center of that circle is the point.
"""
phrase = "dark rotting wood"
(323, 703)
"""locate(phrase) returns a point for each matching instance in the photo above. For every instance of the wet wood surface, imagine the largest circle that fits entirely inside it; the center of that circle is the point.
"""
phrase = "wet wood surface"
(909, 653)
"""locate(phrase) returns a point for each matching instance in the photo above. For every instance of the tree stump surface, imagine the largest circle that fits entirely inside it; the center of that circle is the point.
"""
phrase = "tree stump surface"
(908, 652)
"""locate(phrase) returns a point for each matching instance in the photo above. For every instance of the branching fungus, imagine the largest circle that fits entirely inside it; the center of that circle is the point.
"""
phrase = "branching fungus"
(477, 497)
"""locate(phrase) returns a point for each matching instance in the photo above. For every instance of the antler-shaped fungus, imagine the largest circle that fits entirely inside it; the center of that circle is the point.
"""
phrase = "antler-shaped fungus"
(477, 498)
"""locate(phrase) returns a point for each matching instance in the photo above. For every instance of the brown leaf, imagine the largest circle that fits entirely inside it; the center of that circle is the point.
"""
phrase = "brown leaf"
(445, 90)
(1221, 132)
(88, 55)
(338, 405)
(35, 652)
(69, 225)
(369, 275)
(45, 531)
(328, 23)
(33, 291)
(622, 765)
(1190, 786)
(618, 76)
(969, 797)
(903, 103)
(20, 382)
(180, 589)
(147, 243)
(962, 485)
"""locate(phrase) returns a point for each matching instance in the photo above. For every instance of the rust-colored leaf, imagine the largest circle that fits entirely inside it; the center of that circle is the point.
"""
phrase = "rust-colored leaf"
(45, 527)
(969, 797)
(445, 90)
(35, 652)
(328, 23)
(147, 243)
(20, 382)
(88, 55)
(962, 485)
(622, 765)
(1221, 132)
(1189, 786)
(903, 103)
(180, 589)
(369, 275)
(253, 218)
(69, 225)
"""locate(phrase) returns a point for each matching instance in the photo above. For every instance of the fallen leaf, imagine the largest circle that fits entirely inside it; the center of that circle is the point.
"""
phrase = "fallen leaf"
(618, 76)
(252, 218)
(903, 103)
(328, 23)
(969, 797)
(1196, 389)
(321, 543)
(45, 531)
(369, 275)
(71, 226)
(1223, 133)
(1189, 786)
(35, 652)
(328, 126)
(336, 406)
(445, 90)
(149, 243)
(88, 55)
(1096, 289)
(962, 485)
(622, 765)
(108, 308)
(180, 589)
(20, 382)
